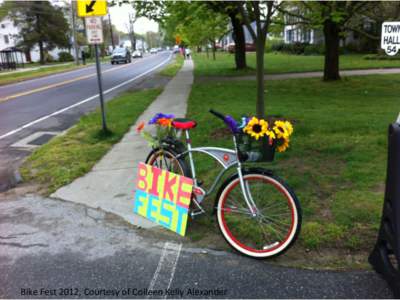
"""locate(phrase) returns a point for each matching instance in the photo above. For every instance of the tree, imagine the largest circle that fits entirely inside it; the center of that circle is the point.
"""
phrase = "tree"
(231, 9)
(196, 24)
(334, 18)
(40, 23)
(262, 13)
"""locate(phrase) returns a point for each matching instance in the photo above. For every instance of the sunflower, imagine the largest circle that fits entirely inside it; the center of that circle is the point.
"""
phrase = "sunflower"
(271, 135)
(256, 128)
(282, 147)
(289, 127)
(281, 130)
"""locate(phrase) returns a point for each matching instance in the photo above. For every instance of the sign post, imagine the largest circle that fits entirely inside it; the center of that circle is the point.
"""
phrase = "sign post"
(91, 10)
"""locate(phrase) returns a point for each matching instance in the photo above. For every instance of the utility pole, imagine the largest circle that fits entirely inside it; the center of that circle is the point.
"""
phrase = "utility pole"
(73, 3)
(111, 31)
(132, 20)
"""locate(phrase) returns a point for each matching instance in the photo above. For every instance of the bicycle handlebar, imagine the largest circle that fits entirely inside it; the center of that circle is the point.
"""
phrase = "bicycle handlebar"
(217, 114)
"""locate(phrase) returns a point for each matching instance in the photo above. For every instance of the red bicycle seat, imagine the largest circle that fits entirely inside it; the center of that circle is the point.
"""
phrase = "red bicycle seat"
(182, 123)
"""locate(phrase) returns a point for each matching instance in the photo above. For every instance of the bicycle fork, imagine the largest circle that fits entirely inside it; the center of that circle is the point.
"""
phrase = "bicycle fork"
(244, 185)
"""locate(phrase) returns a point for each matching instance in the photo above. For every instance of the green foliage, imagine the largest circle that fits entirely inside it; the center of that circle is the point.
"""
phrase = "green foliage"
(64, 56)
(40, 23)
(337, 161)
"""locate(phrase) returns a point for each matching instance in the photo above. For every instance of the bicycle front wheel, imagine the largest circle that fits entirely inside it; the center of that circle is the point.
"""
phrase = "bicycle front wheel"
(274, 224)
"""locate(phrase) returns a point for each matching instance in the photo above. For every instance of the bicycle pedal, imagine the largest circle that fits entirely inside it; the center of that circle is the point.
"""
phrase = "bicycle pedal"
(195, 212)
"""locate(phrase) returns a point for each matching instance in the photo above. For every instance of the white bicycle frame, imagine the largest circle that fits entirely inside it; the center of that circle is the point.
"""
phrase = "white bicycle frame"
(227, 158)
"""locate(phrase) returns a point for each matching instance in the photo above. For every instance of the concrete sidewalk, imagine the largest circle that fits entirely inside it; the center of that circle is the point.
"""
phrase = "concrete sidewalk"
(110, 184)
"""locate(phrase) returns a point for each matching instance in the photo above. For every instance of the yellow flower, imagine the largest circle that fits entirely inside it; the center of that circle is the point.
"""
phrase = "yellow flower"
(271, 134)
(289, 127)
(282, 147)
(281, 130)
(256, 128)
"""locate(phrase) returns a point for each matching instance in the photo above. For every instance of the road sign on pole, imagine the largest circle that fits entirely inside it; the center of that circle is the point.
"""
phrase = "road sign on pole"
(94, 35)
(94, 30)
(390, 37)
(92, 8)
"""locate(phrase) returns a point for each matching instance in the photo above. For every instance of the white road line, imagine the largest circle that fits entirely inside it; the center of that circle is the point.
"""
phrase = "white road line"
(166, 268)
(82, 102)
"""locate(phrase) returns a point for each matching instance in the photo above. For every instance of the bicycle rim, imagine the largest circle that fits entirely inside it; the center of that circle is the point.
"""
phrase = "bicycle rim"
(275, 225)
(165, 159)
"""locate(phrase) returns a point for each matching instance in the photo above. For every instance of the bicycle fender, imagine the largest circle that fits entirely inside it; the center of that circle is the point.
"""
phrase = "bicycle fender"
(234, 176)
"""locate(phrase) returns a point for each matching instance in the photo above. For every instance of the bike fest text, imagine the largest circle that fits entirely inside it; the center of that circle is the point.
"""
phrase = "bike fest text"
(163, 197)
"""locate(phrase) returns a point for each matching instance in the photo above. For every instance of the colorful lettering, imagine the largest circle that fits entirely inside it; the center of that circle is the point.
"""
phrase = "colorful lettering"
(163, 197)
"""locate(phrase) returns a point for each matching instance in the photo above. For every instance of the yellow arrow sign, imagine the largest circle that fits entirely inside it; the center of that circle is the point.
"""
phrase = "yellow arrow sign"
(87, 8)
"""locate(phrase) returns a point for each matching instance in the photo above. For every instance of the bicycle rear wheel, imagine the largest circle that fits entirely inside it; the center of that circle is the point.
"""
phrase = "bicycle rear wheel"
(276, 223)
(165, 158)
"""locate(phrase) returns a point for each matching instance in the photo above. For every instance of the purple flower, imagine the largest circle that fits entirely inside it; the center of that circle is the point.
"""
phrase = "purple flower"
(154, 119)
(231, 122)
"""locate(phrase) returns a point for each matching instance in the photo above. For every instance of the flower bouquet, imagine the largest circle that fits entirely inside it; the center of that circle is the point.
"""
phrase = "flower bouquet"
(259, 138)
(164, 129)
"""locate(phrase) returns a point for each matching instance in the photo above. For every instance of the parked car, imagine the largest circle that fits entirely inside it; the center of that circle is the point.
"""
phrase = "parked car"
(153, 51)
(120, 54)
(249, 47)
(137, 53)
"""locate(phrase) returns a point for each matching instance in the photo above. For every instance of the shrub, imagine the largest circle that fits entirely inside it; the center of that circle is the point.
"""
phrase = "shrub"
(270, 45)
(48, 58)
(312, 49)
(64, 56)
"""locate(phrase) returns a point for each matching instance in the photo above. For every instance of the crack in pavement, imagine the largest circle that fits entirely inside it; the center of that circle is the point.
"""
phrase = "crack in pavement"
(18, 245)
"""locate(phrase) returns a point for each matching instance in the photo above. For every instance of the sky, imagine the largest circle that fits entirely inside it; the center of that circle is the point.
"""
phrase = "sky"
(120, 18)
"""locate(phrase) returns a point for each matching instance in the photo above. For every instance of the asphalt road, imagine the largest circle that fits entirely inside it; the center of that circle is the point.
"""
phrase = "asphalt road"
(55, 102)
(51, 248)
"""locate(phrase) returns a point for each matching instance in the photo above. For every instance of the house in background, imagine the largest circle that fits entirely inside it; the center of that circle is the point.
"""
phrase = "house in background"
(9, 39)
(302, 34)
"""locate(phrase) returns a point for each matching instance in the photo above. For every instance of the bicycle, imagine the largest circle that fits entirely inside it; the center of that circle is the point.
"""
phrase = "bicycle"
(258, 214)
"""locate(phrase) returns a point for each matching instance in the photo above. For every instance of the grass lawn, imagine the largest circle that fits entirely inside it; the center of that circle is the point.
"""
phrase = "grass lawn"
(49, 69)
(72, 155)
(224, 65)
(336, 162)
(171, 69)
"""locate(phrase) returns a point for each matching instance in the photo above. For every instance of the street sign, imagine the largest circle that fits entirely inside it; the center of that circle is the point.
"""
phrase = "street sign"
(92, 8)
(94, 30)
(390, 37)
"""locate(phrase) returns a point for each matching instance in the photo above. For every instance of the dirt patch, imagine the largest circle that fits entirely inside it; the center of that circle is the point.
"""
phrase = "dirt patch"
(21, 190)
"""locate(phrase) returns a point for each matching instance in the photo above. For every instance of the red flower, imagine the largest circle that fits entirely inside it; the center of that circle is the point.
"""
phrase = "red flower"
(140, 127)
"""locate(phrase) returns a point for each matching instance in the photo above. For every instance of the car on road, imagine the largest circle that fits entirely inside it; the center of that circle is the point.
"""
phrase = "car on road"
(153, 51)
(137, 53)
(120, 54)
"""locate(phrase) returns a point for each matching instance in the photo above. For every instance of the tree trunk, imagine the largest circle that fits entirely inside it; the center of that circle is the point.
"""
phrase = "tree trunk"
(208, 55)
(28, 57)
(41, 51)
(214, 49)
(332, 39)
(240, 42)
(260, 106)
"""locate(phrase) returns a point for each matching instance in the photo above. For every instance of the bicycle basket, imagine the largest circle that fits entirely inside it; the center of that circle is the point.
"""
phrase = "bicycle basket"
(251, 150)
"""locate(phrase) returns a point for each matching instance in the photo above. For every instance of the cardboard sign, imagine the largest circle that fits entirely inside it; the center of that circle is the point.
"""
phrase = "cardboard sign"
(390, 37)
(163, 197)
(94, 30)
(88, 8)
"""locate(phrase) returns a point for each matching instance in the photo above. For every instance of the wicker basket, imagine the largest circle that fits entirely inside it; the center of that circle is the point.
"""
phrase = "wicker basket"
(251, 150)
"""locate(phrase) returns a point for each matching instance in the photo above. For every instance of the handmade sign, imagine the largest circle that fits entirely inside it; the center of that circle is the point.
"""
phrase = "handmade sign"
(163, 197)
